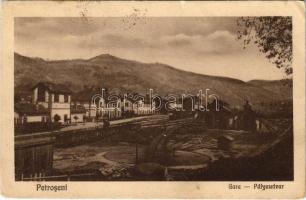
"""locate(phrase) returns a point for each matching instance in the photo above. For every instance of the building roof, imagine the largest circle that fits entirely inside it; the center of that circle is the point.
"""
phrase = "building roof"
(30, 109)
(54, 87)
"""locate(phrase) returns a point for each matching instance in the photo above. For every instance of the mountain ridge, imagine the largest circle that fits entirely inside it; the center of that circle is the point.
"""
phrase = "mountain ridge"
(126, 75)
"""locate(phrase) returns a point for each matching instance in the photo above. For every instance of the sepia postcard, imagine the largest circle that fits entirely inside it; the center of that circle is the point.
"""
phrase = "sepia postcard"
(178, 99)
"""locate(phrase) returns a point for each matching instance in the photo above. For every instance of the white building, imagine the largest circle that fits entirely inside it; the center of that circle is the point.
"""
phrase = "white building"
(144, 107)
(30, 113)
(84, 98)
(56, 98)
(78, 113)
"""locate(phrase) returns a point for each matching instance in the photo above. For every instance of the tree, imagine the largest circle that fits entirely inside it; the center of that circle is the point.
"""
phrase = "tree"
(75, 118)
(57, 118)
(273, 36)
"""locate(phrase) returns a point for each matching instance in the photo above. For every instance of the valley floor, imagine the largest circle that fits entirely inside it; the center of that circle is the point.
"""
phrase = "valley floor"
(195, 156)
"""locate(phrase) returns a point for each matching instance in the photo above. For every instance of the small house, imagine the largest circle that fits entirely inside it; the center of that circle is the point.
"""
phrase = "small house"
(30, 113)
(78, 114)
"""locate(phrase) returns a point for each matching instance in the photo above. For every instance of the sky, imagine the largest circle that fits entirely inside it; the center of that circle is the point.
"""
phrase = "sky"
(205, 45)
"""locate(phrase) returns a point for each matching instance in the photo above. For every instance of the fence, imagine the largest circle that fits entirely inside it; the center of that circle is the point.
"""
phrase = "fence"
(66, 177)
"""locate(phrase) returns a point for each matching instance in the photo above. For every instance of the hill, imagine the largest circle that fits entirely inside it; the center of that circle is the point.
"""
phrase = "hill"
(282, 87)
(131, 76)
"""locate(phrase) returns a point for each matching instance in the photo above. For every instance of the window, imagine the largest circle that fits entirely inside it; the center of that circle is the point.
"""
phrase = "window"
(65, 98)
(40, 94)
(56, 98)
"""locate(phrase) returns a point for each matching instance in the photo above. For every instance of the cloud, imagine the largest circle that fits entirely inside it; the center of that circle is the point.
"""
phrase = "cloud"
(218, 42)
(148, 27)
(221, 35)
(190, 35)
(204, 45)
(179, 40)
(222, 42)
(122, 41)
(57, 26)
